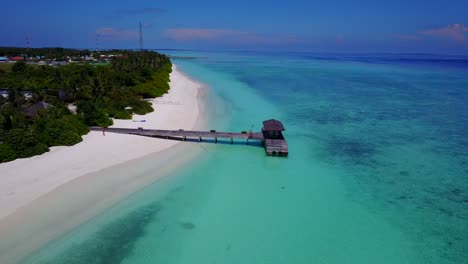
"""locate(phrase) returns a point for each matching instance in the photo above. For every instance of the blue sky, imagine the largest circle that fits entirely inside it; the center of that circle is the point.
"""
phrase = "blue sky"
(316, 26)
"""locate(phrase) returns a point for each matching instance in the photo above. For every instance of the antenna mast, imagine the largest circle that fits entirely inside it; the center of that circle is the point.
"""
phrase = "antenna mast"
(28, 43)
(97, 41)
(141, 38)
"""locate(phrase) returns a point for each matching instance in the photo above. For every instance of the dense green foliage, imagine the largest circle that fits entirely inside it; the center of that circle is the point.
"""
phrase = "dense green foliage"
(25, 142)
(6, 153)
(154, 88)
(59, 132)
(100, 92)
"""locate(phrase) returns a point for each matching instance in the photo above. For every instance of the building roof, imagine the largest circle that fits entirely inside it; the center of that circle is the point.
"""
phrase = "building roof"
(32, 110)
(16, 58)
(273, 124)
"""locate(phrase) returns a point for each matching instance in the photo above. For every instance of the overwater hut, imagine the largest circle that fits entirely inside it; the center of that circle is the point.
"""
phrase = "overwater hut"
(275, 144)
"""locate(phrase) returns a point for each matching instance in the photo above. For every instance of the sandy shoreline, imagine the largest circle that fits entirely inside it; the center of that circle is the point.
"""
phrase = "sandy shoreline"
(24, 180)
(78, 182)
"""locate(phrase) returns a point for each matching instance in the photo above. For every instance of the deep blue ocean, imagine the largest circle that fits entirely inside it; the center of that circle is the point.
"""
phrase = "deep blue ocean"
(377, 172)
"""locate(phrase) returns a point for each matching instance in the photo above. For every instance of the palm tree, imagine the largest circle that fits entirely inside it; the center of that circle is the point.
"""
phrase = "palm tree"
(8, 118)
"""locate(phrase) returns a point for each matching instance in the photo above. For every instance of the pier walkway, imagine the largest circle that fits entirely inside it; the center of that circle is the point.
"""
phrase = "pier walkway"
(271, 135)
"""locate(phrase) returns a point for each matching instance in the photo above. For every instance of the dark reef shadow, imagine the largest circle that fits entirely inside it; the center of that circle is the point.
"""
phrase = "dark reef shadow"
(112, 243)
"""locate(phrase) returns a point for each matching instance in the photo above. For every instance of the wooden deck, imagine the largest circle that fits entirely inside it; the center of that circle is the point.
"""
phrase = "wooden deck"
(276, 147)
(272, 146)
(182, 134)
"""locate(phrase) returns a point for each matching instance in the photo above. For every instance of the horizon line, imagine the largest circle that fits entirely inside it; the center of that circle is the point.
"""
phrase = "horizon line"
(253, 51)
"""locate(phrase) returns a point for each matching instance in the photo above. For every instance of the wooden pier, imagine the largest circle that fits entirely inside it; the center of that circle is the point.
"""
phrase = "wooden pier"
(271, 135)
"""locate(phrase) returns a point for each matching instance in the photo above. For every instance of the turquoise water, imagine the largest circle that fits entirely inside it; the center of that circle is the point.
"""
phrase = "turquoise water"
(377, 172)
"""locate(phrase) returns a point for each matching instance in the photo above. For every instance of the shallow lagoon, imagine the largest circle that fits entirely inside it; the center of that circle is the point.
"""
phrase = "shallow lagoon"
(377, 172)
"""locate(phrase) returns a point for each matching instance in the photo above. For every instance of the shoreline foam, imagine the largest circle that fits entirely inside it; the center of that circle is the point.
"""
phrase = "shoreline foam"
(80, 181)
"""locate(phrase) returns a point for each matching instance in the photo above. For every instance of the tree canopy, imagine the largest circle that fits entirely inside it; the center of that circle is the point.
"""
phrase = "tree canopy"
(99, 92)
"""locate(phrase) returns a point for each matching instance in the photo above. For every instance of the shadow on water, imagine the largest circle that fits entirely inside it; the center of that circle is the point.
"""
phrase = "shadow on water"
(251, 143)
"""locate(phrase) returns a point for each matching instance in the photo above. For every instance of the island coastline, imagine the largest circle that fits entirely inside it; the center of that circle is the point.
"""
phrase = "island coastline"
(107, 167)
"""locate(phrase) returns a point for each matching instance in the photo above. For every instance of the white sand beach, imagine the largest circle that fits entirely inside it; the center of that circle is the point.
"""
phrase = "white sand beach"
(24, 180)
(44, 197)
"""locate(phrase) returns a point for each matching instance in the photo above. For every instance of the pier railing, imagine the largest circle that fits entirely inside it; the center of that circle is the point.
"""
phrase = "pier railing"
(183, 134)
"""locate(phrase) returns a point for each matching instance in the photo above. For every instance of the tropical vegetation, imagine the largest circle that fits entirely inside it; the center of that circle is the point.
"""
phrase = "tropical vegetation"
(99, 93)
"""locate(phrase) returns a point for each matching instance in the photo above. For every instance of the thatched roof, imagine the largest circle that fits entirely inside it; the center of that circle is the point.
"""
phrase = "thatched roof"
(32, 110)
(273, 125)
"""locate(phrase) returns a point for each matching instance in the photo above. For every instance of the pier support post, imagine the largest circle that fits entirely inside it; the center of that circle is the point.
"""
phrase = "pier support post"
(199, 139)
(232, 141)
(216, 140)
(247, 141)
(185, 139)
